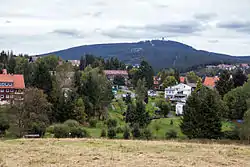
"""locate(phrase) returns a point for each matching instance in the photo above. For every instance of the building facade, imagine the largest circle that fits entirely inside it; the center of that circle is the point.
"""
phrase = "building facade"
(178, 95)
(111, 74)
(11, 87)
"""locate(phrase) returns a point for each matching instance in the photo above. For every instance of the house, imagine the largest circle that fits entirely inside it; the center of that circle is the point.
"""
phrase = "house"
(75, 63)
(210, 82)
(33, 59)
(226, 67)
(156, 82)
(192, 85)
(182, 79)
(244, 66)
(111, 74)
(178, 94)
(11, 87)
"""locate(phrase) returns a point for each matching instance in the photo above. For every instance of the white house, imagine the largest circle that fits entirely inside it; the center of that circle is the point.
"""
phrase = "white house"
(178, 94)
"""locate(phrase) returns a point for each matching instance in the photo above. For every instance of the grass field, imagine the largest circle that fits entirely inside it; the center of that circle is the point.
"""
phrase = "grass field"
(120, 153)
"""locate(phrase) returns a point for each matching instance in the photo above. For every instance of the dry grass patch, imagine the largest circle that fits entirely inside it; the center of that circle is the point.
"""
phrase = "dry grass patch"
(99, 152)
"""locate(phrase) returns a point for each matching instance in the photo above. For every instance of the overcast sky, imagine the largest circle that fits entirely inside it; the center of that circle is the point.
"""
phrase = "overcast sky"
(40, 26)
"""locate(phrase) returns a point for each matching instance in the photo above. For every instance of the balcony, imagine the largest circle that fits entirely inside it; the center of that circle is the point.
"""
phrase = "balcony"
(18, 99)
(19, 93)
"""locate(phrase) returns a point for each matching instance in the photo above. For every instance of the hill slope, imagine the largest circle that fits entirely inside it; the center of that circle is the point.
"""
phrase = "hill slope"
(106, 153)
(160, 54)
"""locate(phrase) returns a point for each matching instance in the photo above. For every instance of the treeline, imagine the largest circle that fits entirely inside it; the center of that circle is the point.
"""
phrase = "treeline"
(56, 91)
(206, 109)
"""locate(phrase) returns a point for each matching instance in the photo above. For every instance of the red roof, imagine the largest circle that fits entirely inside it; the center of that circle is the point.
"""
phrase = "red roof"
(18, 81)
(210, 81)
(182, 79)
(115, 72)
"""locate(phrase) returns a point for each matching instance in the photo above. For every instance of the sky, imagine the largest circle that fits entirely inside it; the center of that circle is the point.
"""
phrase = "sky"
(35, 26)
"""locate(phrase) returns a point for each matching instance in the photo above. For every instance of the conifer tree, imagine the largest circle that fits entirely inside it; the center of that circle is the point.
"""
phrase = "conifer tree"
(225, 84)
(201, 117)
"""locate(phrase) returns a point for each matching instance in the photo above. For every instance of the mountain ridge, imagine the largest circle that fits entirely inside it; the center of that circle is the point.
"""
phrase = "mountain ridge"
(159, 53)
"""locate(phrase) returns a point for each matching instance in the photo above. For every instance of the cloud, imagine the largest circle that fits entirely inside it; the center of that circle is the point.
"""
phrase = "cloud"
(68, 32)
(44, 26)
(213, 41)
(205, 16)
(239, 26)
(152, 30)
(185, 27)
(161, 6)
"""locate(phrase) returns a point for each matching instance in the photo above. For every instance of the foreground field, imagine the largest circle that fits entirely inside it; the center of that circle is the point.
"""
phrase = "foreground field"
(93, 152)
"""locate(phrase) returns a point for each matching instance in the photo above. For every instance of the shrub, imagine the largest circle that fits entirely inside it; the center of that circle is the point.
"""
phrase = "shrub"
(71, 123)
(136, 131)
(92, 123)
(126, 133)
(171, 134)
(37, 128)
(171, 122)
(61, 131)
(50, 129)
(103, 133)
(119, 130)
(78, 132)
(111, 133)
(147, 134)
(232, 135)
(112, 123)
(4, 125)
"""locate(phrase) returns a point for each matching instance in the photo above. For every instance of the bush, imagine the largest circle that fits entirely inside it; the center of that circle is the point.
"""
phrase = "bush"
(171, 134)
(171, 122)
(4, 125)
(232, 135)
(71, 123)
(112, 123)
(147, 134)
(37, 128)
(111, 133)
(103, 133)
(136, 131)
(92, 123)
(61, 131)
(78, 132)
(119, 130)
(126, 133)
(50, 129)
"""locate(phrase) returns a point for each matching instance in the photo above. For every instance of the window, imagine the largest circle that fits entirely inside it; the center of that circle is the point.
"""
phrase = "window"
(2, 96)
(10, 84)
(1, 84)
(11, 90)
(11, 96)
(7, 96)
(7, 90)
(2, 90)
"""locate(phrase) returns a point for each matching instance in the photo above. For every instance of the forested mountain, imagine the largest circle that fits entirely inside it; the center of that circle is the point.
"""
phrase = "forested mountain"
(159, 53)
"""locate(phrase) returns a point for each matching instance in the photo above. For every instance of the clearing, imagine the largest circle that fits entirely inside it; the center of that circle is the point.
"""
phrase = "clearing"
(120, 153)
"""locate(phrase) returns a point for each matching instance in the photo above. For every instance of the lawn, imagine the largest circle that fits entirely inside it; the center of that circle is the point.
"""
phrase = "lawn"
(122, 153)
(163, 125)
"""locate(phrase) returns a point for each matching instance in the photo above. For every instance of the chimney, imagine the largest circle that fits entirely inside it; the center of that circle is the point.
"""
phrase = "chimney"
(4, 71)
